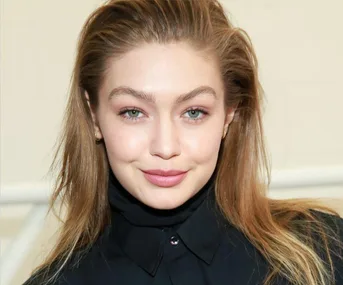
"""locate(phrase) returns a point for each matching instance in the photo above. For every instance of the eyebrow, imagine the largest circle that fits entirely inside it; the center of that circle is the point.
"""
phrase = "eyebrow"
(150, 98)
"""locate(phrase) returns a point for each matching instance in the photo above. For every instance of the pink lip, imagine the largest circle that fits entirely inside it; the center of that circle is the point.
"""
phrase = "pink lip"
(164, 178)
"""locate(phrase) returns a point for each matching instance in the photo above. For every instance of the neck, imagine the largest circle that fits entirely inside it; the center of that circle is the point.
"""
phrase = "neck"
(137, 213)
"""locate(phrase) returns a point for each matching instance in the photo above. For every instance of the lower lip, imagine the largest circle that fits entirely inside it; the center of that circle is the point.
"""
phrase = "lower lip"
(165, 181)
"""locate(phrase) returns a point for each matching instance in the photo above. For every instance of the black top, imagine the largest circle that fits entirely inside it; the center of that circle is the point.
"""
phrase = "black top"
(139, 214)
(204, 249)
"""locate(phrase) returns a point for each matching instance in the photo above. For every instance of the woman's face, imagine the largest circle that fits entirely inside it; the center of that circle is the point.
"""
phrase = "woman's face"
(161, 109)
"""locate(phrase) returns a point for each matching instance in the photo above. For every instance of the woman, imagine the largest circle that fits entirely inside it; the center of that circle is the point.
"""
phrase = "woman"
(163, 163)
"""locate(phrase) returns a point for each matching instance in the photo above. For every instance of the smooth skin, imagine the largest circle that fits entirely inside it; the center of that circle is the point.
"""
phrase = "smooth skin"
(162, 107)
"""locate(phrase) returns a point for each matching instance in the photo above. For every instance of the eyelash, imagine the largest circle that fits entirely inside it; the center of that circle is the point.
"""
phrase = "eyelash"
(196, 120)
(125, 110)
(198, 109)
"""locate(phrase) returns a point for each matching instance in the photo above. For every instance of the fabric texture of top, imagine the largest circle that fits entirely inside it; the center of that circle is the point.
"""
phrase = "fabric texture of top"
(195, 246)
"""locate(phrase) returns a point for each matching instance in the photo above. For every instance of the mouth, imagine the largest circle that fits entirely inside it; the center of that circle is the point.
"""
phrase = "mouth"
(164, 178)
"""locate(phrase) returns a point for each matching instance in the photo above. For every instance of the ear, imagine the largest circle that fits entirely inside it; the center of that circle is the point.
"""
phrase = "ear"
(97, 130)
(229, 116)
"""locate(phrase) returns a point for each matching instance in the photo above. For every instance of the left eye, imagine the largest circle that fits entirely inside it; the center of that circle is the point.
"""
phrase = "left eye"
(133, 113)
(195, 113)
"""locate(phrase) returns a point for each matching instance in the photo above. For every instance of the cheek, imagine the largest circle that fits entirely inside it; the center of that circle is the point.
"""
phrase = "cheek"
(124, 144)
(202, 146)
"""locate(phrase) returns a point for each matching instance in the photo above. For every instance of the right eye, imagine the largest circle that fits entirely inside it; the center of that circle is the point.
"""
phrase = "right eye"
(131, 114)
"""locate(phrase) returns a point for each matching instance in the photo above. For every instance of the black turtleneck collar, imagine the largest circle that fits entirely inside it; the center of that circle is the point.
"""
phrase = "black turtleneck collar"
(139, 214)
(142, 232)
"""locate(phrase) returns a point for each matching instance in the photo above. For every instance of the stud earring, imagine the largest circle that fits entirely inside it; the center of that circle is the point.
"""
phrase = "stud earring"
(224, 133)
(97, 140)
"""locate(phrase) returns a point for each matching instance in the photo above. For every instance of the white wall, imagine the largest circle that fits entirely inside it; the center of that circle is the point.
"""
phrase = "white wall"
(299, 44)
(38, 40)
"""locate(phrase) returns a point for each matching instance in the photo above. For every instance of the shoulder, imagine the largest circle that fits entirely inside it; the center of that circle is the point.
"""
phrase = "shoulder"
(319, 226)
(75, 271)
(333, 227)
(332, 223)
(313, 220)
(44, 276)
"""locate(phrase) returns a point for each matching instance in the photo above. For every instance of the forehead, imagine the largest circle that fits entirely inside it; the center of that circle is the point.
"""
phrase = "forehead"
(170, 69)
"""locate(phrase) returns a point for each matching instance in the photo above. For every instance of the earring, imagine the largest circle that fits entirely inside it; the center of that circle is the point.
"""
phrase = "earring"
(224, 133)
(97, 140)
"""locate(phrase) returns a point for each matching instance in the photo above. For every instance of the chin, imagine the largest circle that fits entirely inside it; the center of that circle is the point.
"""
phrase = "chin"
(164, 203)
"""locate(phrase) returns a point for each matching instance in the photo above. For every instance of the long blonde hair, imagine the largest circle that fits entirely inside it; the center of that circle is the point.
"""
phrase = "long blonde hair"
(272, 226)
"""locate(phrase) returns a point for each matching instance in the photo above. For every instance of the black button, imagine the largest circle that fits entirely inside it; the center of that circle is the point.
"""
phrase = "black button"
(174, 240)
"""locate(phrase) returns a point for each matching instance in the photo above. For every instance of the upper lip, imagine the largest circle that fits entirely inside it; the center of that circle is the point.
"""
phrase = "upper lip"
(162, 172)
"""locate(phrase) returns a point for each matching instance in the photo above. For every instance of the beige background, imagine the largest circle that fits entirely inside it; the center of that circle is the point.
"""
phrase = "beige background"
(299, 45)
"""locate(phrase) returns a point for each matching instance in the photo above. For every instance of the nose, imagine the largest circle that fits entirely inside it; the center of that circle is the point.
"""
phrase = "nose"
(165, 140)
